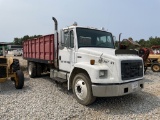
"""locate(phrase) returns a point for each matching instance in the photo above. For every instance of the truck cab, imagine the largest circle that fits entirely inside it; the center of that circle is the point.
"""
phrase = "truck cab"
(79, 40)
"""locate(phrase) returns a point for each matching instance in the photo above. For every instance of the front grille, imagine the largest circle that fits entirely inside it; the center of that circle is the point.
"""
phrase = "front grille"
(131, 69)
(3, 72)
(3, 61)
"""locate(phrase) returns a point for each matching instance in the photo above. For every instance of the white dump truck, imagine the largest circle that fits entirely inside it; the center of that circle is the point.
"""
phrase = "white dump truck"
(87, 60)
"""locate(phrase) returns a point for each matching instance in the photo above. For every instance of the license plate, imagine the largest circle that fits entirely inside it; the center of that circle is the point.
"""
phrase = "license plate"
(134, 85)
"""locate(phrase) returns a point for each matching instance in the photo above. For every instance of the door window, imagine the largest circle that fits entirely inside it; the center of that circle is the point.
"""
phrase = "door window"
(69, 39)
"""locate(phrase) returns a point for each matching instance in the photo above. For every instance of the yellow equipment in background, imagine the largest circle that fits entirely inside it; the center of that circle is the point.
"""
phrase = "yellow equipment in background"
(10, 68)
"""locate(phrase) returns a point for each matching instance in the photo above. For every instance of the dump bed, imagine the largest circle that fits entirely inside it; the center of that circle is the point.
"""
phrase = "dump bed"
(40, 49)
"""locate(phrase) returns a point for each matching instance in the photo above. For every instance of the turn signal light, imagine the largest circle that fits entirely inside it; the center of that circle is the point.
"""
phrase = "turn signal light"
(92, 62)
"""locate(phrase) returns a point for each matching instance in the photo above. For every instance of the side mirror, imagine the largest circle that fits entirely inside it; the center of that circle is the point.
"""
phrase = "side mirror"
(61, 37)
(114, 38)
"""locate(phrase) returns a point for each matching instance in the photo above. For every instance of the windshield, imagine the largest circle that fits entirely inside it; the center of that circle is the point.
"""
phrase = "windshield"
(94, 38)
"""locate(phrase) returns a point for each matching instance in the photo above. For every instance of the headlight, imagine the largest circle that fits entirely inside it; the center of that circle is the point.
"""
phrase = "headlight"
(102, 73)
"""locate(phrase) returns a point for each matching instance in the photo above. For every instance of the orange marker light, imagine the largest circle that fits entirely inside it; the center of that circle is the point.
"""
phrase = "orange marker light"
(92, 62)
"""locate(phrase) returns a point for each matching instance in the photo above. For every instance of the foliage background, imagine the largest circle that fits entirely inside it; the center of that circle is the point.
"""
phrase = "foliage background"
(19, 41)
(144, 43)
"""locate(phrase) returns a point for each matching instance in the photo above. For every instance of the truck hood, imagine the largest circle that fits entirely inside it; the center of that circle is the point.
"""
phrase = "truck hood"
(98, 51)
(107, 53)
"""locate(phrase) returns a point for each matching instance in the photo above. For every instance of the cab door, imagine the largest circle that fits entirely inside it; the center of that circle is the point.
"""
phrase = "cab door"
(67, 51)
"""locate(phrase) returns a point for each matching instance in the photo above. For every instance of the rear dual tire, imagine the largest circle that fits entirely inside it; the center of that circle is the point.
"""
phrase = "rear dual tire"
(34, 69)
(38, 69)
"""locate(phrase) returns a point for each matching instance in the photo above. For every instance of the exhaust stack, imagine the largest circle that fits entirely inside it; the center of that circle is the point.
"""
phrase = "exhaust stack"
(119, 43)
(55, 42)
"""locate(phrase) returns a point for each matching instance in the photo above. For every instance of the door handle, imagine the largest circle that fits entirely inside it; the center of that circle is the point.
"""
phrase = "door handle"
(59, 57)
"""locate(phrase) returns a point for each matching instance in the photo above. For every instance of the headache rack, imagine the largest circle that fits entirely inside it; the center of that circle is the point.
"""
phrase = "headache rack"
(131, 69)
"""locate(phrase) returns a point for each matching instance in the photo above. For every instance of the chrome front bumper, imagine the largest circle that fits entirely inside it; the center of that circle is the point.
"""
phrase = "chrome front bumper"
(101, 90)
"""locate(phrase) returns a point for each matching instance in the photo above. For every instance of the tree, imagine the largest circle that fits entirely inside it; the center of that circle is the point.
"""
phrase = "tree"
(19, 41)
(142, 42)
(16, 41)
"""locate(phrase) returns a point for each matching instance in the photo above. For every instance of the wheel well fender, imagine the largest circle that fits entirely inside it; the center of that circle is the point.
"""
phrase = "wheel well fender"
(10, 61)
(75, 71)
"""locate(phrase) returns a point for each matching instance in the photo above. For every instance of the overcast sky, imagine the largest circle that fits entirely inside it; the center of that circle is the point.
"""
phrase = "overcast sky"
(138, 19)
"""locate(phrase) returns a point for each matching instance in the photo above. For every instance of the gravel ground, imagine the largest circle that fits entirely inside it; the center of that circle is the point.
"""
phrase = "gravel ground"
(42, 98)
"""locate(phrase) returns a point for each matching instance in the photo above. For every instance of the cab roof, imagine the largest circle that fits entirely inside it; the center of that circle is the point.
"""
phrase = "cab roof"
(73, 27)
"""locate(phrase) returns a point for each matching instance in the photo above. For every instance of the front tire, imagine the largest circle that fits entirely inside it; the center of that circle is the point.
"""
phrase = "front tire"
(82, 89)
(15, 65)
(20, 80)
(155, 67)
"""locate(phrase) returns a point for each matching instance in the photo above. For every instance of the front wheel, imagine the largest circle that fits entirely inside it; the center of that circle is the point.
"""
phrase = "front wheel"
(82, 89)
(15, 65)
(155, 67)
(19, 83)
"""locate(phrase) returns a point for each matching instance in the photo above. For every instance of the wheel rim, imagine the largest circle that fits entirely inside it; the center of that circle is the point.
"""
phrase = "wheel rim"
(156, 68)
(81, 89)
(29, 70)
